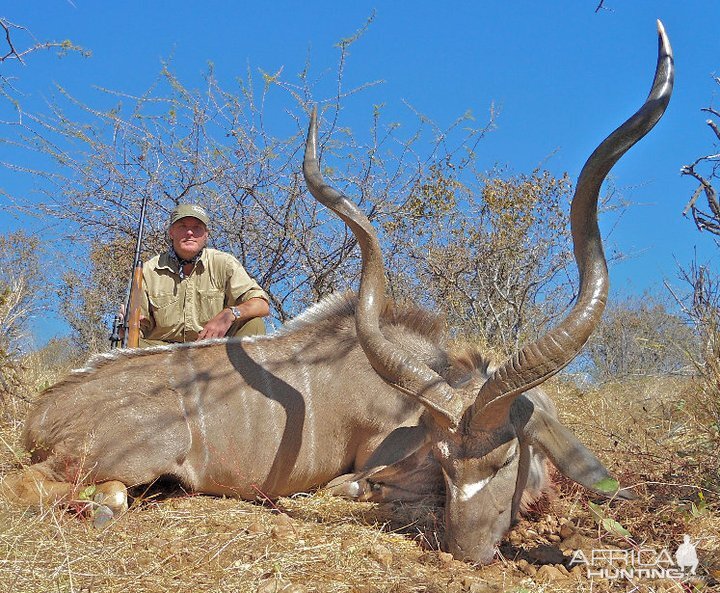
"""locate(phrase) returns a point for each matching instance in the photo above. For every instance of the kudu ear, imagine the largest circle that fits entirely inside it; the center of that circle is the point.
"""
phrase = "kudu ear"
(570, 456)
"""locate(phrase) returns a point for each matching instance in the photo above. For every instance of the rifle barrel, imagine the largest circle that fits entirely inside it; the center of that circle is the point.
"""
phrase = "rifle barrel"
(131, 318)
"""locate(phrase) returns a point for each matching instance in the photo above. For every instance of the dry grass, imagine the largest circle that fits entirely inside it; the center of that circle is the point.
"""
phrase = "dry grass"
(650, 433)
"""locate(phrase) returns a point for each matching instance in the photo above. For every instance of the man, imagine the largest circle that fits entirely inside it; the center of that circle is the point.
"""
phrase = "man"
(192, 292)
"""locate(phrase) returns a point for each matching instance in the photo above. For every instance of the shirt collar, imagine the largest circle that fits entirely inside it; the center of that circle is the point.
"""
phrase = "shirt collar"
(171, 261)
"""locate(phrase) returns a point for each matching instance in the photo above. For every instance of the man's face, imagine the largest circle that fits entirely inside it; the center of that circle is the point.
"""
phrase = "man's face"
(189, 235)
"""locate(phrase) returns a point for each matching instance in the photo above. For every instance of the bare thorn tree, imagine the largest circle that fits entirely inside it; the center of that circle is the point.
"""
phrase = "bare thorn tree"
(218, 147)
(21, 289)
(490, 250)
(30, 43)
(702, 306)
(705, 170)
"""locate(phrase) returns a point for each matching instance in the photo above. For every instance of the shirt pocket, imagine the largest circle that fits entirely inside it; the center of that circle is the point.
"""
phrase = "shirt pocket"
(165, 310)
(210, 302)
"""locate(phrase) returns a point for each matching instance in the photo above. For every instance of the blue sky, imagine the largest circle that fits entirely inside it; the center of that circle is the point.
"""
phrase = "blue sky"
(560, 76)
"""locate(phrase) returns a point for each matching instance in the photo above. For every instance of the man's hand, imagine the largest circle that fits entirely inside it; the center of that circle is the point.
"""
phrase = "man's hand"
(121, 321)
(218, 326)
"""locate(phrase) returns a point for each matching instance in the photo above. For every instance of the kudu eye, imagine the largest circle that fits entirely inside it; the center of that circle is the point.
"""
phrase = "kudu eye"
(510, 457)
(507, 462)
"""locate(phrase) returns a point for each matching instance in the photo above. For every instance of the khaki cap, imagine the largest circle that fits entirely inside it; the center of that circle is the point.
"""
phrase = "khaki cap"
(183, 210)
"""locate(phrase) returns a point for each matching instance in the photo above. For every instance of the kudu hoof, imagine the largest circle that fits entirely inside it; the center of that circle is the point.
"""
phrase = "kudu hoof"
(347, 487)
(101, 516)
(108, 501)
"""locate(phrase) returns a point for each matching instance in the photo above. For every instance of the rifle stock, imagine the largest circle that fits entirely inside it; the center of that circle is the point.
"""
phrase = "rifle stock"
(133, 326)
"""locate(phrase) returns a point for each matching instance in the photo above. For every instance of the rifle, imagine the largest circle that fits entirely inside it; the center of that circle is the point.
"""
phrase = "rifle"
(130, 321)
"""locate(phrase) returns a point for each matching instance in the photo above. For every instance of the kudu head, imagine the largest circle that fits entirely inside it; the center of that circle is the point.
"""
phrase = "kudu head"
(484, 436)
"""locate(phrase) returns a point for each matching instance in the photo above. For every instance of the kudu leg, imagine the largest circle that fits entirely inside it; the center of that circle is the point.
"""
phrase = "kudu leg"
(366, 489)
(32, 487)
(399, 467)
(414, 477)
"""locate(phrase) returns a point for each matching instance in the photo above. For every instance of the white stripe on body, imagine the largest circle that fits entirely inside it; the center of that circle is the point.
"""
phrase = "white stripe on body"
(193, 410)
(309, 424)
(192, 476)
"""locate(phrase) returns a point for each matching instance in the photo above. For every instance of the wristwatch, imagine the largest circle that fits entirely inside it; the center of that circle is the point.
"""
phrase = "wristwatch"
(235, 311)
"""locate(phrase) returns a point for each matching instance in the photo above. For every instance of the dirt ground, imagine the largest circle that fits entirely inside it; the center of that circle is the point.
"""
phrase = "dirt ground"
(652, 434)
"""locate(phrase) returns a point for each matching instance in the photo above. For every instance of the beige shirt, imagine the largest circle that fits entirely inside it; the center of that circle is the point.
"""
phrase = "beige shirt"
(177, 309)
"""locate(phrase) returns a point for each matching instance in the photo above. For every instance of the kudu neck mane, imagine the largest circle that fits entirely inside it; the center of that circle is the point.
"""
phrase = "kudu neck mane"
(336, 312)
(414, 327)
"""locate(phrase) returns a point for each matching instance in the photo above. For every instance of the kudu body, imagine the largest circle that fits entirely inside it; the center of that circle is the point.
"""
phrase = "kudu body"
(267, 416)
(362, 396)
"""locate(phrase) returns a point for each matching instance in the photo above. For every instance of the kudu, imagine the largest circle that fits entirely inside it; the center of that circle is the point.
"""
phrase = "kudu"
(360, 393)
